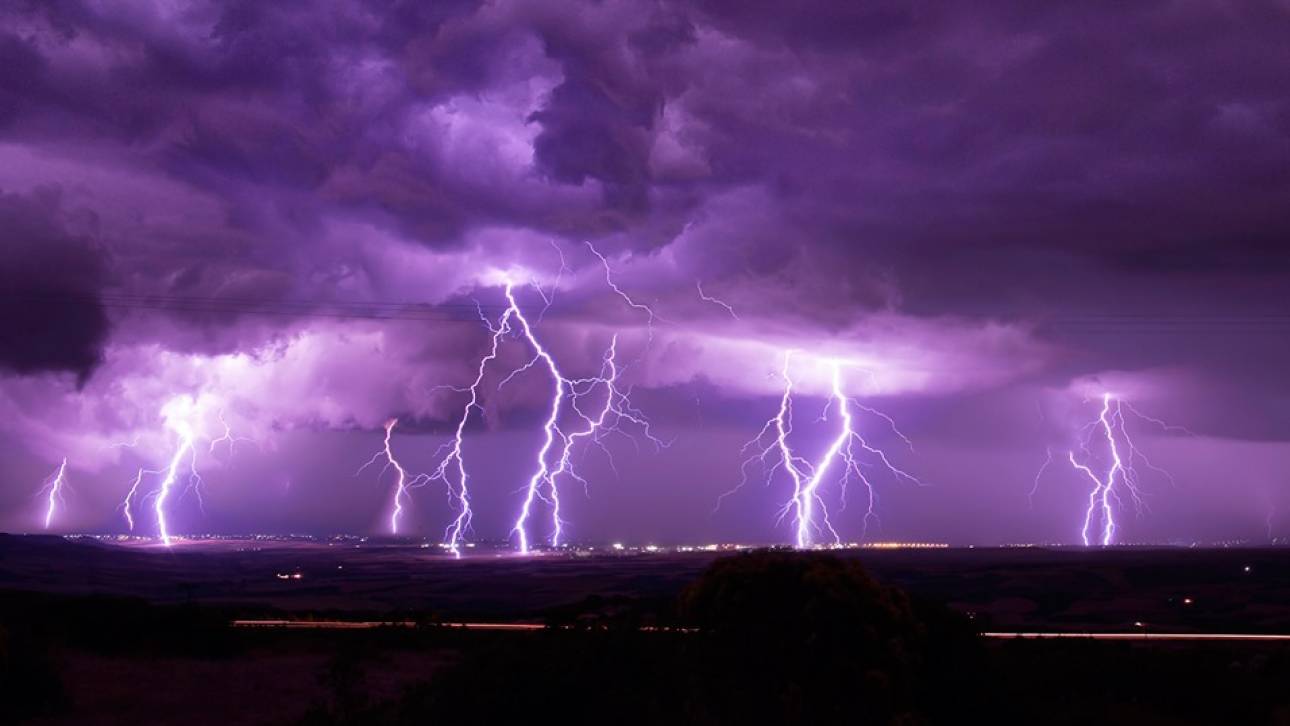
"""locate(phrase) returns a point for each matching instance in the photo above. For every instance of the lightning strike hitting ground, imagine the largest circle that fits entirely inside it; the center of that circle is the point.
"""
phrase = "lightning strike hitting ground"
(183, 449)
(182, 415)
(453, 462)
(554, 457)
(402, 481)
(130, 496)
(1118, 476)
(53, 486)
(845, 448)
(550, 432)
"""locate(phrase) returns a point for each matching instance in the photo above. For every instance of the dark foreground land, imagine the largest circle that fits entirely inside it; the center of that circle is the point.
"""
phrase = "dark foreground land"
(101, 633)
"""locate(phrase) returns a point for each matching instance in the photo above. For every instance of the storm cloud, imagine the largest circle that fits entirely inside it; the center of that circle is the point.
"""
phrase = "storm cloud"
(985, 207)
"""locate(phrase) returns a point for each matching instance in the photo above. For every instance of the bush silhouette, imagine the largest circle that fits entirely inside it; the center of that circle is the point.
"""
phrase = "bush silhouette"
(780, 637)
(812, 638)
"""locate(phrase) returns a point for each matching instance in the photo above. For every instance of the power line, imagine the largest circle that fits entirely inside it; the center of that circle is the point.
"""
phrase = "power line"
(365, 310)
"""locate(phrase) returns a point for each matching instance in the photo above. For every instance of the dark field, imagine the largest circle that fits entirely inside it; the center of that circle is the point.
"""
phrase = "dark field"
(104, 633)
(1004, 589)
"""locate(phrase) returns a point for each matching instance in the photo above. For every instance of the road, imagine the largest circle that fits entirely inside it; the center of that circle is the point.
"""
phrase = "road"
(1139, 636)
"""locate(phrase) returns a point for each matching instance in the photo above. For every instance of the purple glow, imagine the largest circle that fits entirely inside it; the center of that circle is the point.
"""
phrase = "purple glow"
(454, 460)
(807, 476)
(1121, 478)
(183, 449)
(402, 483)
(54, 486)
(675, 195)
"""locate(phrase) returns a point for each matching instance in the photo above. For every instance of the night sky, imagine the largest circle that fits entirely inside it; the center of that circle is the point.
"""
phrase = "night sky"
(284, 214)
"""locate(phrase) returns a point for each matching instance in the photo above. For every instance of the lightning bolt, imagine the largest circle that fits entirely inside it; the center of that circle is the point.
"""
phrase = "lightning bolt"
(184, 449)
(1048, 461)
(227, 436)
(402, 481)
(549, 298)
(550, 430)
(53, 486)
(651, 316)
(181, 415)
(553, 460)
(848, 451)
(615, 409)
(1120, 477)
(130, 497)
(715, 301)
(453, 461)
(554, 457)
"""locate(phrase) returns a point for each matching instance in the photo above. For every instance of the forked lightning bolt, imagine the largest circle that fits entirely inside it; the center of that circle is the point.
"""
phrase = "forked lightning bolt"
(554, 456)
(402, 483)
(1117, 476)
(184, 449)
(651, 316)
(227, 436)
(453, 463)
(550, 433)
(845, 455)
(180, 473)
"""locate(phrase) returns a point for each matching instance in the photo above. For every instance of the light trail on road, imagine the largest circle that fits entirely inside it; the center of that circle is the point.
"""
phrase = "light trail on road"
(1219, 637)
(529, 627)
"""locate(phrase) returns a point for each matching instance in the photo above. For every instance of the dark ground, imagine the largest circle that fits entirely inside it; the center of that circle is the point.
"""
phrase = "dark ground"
(1005, 589)
(100, 633)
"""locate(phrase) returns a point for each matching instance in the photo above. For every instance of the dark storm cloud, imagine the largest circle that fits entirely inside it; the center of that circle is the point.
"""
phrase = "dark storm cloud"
(998, 160)
(51, 272)
(1012, 195)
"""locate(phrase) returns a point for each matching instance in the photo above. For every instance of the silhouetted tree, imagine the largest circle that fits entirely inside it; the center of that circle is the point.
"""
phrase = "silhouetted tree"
(784, 638)
(803, 638)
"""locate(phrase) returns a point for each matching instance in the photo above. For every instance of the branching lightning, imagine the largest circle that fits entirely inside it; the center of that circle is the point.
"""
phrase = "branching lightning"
(403, 482)
(554, 458)
(182, 419)
(184, 449)
(550, 432)
(227, 437)
(557, 443)
(453, 461)
(651, 316)
(568, 421)
(1113, 476)
(846, 455)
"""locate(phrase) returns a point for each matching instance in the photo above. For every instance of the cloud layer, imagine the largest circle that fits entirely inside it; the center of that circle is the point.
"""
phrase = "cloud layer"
(968, 204)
